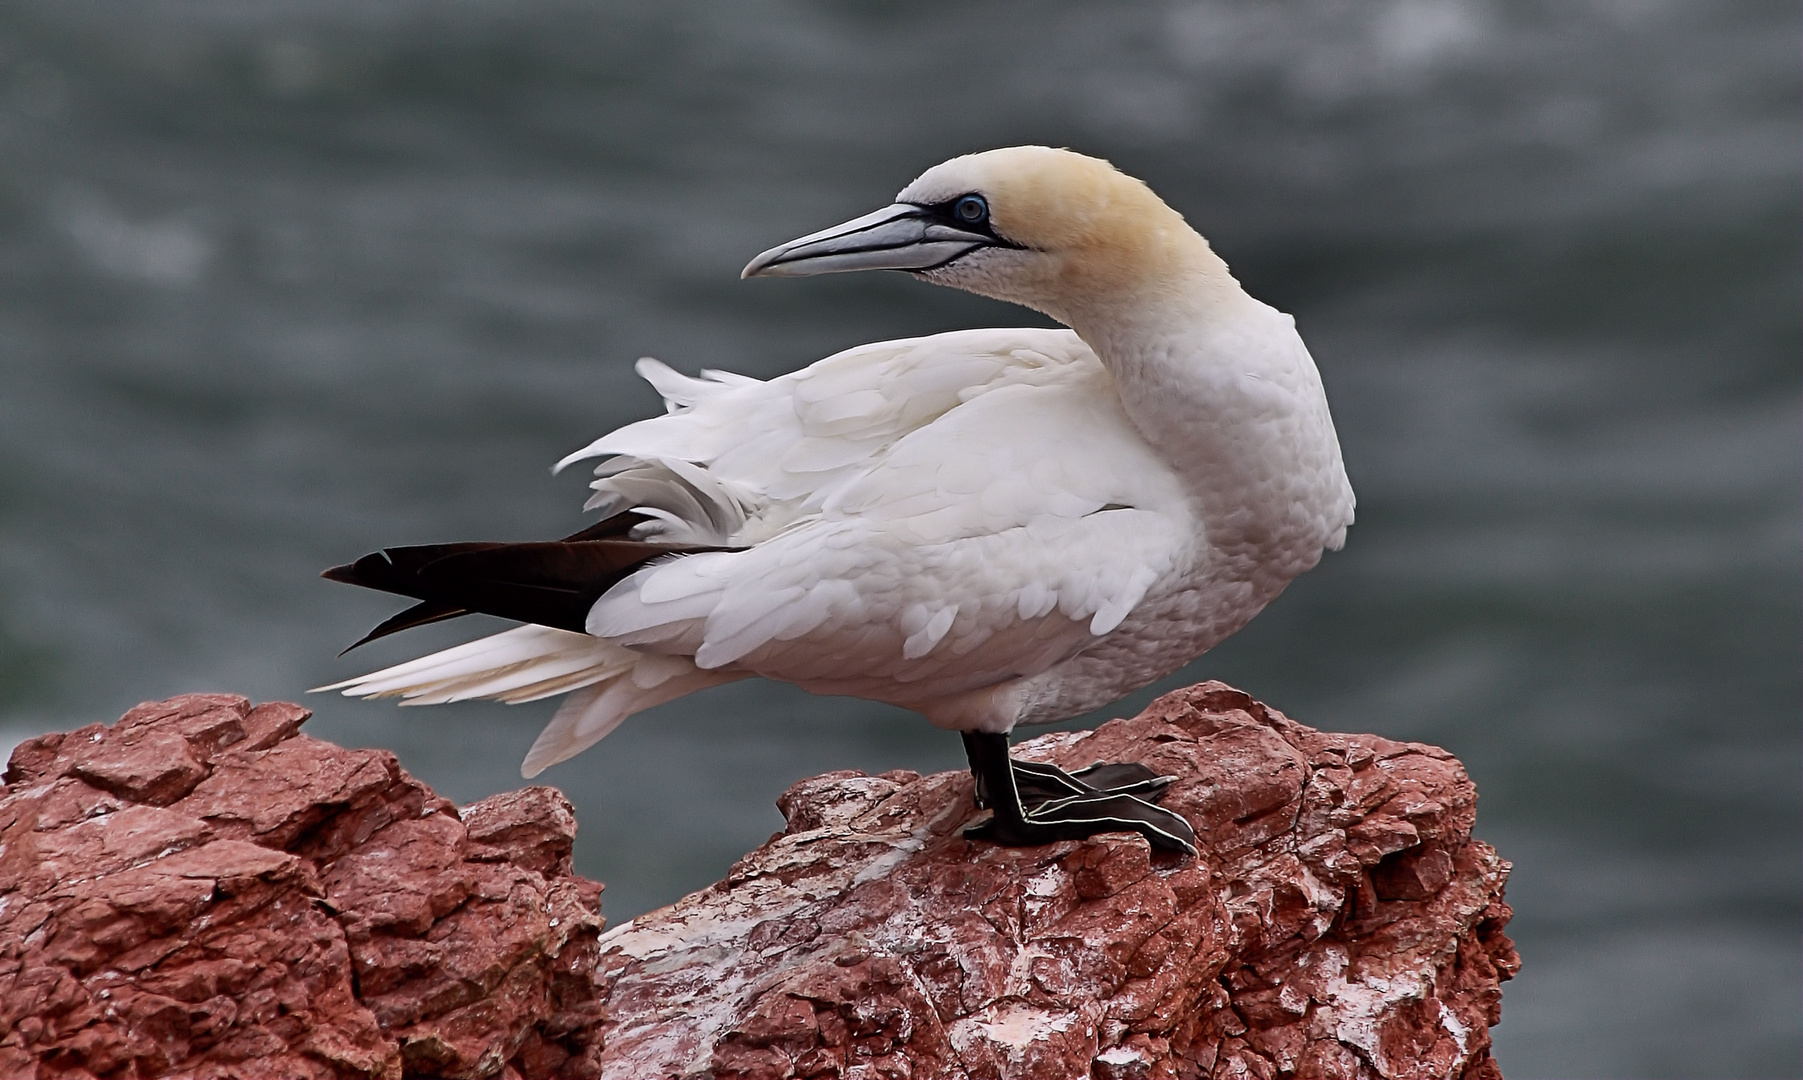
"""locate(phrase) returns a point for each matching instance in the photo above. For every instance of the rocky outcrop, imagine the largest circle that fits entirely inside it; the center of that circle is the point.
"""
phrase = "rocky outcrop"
(1340, 922)
(200, 890)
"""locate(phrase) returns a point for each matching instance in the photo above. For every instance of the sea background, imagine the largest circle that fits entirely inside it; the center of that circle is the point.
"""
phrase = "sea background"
(284, 281)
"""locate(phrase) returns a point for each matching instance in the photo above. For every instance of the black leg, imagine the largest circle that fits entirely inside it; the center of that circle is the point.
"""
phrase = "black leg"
(1037, 804)
(994, 773)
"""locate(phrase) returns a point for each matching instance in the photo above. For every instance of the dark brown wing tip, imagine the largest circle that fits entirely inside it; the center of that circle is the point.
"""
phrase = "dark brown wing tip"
(372, 571)
(422, 614)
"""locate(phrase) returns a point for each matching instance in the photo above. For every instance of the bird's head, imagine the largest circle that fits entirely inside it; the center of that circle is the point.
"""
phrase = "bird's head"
(1053, 230)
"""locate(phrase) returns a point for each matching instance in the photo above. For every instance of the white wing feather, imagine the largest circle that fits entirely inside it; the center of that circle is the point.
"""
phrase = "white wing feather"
(987, 530)
(919, 518)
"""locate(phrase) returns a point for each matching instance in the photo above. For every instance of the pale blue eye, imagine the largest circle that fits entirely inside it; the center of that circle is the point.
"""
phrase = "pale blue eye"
(971, 210)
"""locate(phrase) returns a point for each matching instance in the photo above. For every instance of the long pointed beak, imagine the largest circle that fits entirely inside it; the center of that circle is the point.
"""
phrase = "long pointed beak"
(898, 237)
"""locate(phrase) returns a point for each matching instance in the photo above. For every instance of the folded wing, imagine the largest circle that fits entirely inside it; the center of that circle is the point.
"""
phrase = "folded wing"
(996, 538)
(900, 521)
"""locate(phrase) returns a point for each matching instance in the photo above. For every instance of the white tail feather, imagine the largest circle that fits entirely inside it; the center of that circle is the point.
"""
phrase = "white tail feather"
(589, 715)
(528, 663)
(513, 666)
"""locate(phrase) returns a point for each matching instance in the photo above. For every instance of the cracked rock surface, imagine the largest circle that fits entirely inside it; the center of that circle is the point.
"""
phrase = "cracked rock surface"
(1340, 922)
(200, 890)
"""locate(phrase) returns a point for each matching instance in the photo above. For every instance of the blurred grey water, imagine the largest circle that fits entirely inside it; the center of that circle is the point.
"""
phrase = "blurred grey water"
(284, 281)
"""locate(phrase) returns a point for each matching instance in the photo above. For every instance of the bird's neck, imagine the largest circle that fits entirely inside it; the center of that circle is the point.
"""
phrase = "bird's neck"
(1186, 349)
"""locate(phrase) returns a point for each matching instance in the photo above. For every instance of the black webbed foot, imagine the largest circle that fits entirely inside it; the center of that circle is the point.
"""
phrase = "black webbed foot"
(1036, 803)
(1124, 776)
(1039, 783)
(1081, 816)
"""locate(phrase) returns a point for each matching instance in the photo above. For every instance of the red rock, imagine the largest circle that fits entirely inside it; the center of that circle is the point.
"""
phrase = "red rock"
(1339, 922)
(156, 769)
(534, 828)
(210, 722)
(201, 890)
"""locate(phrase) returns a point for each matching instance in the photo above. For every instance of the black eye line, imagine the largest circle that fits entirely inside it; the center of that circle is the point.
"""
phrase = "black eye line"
(946, 212)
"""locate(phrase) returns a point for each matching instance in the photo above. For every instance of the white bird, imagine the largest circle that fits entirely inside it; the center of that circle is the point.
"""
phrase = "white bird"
(988, 527)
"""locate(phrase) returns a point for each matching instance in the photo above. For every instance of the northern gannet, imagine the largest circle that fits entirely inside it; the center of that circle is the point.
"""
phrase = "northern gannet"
(988, 527)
